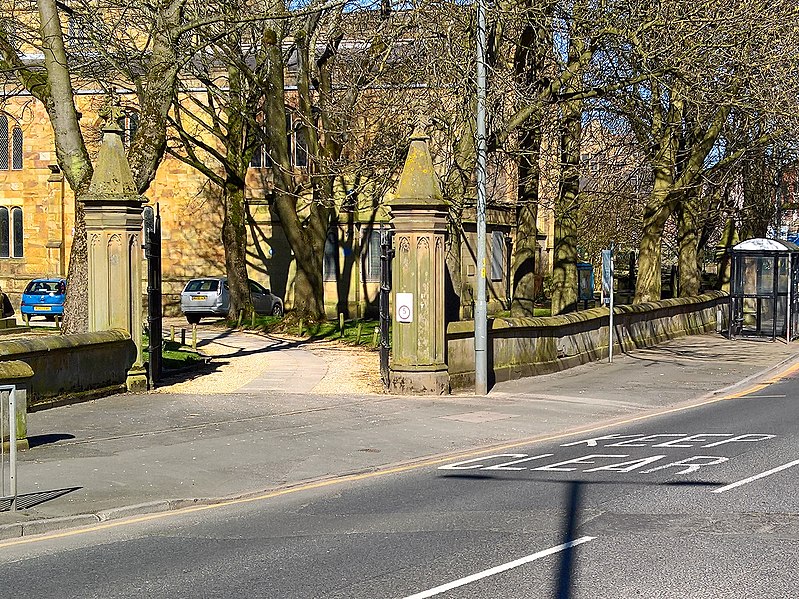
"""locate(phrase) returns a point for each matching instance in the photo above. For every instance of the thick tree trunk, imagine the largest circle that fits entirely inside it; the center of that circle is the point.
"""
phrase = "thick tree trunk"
(688, 243)
(72, 157)
(729, 238)
(76, 304)
(564, 262)
(234, 239)
(308, 285)
(656, 213)
(526, 247)
(306, 238)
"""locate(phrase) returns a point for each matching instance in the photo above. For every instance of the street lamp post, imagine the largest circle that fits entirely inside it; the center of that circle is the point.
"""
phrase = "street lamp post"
(480, 308)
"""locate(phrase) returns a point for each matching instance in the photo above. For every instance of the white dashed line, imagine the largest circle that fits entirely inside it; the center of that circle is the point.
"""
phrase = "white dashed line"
(497, 569)
(756, 477)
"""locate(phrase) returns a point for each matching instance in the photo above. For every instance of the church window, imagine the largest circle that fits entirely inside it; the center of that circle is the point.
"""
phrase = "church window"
(12, 232)
(11, 149)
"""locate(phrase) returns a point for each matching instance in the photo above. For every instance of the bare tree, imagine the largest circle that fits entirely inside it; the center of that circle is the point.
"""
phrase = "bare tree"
(150, 68)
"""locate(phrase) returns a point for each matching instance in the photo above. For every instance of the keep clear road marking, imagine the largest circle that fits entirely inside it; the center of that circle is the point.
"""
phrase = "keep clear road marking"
(498, 569)
(756, 477)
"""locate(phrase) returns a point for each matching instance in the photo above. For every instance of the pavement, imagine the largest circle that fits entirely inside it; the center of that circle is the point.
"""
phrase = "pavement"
(271, 413)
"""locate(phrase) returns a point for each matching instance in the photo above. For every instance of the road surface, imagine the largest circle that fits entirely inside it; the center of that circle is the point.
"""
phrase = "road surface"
(690, 504)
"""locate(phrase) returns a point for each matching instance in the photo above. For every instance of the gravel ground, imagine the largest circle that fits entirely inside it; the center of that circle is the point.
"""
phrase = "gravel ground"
(349, 370)
(229, 374)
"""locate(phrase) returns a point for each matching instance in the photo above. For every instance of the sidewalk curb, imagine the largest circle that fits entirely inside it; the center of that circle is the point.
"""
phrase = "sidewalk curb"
(17, 530)
(778, 368)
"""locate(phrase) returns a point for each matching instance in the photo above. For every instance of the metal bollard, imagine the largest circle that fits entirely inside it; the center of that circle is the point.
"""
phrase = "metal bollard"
(358, 333)
(172, 333)
(375, 335)
(341, 325)
(299, 329)
(194, 337)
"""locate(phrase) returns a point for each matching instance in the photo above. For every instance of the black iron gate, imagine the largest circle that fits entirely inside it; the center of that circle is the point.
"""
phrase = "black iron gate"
(386, 254)
(152, 251)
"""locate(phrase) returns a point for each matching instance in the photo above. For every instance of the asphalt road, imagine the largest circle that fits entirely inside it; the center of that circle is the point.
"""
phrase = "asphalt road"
(695, 504)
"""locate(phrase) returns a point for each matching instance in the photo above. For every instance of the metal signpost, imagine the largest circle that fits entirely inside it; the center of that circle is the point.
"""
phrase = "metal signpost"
(8, 412)
(607, 294)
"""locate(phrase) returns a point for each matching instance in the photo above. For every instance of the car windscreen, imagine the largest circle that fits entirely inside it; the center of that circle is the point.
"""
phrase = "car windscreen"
(202, 285)
(43, 287)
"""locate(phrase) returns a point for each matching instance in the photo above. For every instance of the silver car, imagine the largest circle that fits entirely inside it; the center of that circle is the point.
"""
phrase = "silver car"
(210, 297)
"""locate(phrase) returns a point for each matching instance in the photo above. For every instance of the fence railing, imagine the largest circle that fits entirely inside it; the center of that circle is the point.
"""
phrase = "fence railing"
(8, 451)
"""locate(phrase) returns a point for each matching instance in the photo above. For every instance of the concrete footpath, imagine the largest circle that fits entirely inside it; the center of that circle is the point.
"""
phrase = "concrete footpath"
(132, 454)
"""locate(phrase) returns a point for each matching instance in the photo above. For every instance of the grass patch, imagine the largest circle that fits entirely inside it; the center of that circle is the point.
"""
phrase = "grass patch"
(355, 332)
(173, 354)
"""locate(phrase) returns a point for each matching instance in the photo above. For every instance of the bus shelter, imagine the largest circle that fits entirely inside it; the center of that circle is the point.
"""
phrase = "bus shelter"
(764, 289)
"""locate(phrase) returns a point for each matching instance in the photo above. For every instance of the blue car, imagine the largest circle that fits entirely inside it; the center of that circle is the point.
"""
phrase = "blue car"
(43, 297)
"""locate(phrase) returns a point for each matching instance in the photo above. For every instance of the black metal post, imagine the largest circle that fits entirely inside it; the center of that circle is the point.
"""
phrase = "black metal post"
(154, 309)
(776, 293)
(386, 254)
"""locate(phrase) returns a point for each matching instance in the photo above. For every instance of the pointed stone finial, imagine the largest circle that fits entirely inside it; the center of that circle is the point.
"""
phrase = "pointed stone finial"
(112, 174)
(418, 183)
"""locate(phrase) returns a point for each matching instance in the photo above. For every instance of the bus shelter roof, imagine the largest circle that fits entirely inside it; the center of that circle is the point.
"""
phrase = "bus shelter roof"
(762, 245)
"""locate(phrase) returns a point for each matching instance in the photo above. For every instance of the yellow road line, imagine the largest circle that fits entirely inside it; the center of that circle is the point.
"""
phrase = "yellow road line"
(395, 470)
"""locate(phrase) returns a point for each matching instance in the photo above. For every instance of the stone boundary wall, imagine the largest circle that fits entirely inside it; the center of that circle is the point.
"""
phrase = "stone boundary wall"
(520, 347)
(72, 368)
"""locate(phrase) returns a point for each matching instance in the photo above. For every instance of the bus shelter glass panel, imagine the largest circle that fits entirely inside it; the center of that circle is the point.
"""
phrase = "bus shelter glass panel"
(760, 294)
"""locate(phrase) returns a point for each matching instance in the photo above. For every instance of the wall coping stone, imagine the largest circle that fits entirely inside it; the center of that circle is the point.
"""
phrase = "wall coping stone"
(463, 327)
(15, 370)
(54, 342)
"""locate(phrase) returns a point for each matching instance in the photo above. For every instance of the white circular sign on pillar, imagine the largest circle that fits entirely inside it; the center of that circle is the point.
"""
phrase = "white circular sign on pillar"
(404, 311)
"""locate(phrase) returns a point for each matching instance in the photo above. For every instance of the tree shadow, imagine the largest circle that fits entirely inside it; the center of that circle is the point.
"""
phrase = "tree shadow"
(268, 255)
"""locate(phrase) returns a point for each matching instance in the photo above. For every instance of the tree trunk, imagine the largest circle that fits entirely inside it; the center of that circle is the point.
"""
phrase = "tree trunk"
(308, 285)
(656, 213)
(688, 240)
(76, 303)
(73, 159)
(456, 188)
(728, 239)
(157, 90)
(526, 247)
(564, 262)
(234, 239)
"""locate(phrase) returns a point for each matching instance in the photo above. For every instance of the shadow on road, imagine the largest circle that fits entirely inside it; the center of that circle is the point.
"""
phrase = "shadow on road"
(566, 567)
(29, 500)
(39, 440)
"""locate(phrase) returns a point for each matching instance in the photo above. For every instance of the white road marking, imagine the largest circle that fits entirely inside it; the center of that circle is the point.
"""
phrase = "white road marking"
(498, 569)
(756, 477)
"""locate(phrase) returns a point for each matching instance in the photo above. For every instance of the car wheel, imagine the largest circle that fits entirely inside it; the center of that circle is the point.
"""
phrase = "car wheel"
(277, 310)
(193, 318)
